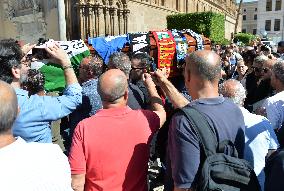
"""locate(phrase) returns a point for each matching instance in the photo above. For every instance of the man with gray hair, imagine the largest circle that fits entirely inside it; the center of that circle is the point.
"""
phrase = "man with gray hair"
(260, 139)
(136, 98)
(257, 87)
(110, 150)
(274, 105)
(202, 73)
(90, 70)
(36, 112)
(38, 166)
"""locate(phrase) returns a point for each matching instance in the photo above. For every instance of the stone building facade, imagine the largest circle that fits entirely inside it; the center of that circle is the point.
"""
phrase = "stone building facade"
(113, 17)
(271, 19)
(249, 17)
(29, 20)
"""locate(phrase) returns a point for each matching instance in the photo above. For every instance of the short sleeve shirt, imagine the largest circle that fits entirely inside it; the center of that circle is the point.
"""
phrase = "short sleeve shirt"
(112, 149)
(184, 150)
(275, 110)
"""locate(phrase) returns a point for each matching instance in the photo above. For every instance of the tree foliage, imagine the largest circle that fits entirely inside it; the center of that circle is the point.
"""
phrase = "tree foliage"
(245, 38)
(211, 25)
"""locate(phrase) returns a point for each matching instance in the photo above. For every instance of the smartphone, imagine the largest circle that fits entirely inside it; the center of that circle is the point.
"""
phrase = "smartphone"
(39, 51)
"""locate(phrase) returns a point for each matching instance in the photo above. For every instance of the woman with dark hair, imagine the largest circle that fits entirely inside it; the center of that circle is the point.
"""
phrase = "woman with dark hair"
(34, 83)
(248, 56)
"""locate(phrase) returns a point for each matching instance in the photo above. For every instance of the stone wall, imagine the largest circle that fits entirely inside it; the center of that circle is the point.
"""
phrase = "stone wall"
(28, 20)
(145, 17)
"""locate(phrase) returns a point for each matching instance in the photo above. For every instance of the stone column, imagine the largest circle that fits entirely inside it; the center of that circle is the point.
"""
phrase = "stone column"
(125, 18)
(119, 24)
(82, 22)
(112, 14)
(106, 20)
(61, 20)
(99, 11)
(90, 16)
(86, 21)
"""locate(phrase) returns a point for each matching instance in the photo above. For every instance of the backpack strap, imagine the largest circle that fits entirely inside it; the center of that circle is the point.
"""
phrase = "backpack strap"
(204, 132)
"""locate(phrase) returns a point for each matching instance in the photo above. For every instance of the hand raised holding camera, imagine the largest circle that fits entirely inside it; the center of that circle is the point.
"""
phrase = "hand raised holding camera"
(160, 75)
(148, 81)
(58, 55)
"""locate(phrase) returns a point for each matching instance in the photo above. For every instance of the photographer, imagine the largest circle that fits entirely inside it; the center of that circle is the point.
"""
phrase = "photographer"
(140, 63)
(120, 60)
(36, 112)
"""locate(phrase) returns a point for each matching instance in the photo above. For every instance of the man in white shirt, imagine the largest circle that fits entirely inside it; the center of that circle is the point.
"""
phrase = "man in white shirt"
(28, 166)
(260, 139)
(274, 105)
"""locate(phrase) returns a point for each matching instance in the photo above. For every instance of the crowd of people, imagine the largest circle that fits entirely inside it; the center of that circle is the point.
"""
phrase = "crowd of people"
(118, 116)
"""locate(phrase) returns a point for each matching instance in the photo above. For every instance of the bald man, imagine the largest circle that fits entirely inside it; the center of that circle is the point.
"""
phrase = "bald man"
(202, 74)
(29, 160)
(110, 150)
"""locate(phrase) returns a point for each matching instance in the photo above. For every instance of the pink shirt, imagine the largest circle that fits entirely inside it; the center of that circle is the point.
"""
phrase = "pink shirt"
(112, 149)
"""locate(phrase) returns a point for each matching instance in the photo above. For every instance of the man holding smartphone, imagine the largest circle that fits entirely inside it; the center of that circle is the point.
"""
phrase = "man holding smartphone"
(36, 112)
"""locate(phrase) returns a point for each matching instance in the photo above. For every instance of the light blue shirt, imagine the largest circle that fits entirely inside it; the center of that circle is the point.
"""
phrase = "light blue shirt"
(36, 112)
(259, 138)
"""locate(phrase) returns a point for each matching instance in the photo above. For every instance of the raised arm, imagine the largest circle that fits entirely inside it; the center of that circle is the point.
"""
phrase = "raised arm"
(176, 98)
(156, 102)
(59, 56)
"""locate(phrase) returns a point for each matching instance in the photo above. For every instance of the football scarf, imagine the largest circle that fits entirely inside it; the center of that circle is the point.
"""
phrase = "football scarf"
(181, 45)
(197, 37)
(166, 48)
(139, 43)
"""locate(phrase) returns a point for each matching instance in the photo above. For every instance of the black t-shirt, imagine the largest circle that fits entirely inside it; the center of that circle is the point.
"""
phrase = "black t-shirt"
(256, 92)
(136, 98)
(184, 146)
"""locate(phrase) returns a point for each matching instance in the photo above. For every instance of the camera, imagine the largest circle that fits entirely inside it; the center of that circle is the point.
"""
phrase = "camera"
(265, 48)
(151, 66)
(39, 51)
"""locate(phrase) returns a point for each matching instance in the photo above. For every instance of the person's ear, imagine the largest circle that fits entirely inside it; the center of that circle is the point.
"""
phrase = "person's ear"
(188, 76)
(125, 96)
(16, 72)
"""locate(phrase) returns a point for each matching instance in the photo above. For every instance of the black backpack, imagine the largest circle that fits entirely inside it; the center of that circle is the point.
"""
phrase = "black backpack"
(274, 171)
(219, 171)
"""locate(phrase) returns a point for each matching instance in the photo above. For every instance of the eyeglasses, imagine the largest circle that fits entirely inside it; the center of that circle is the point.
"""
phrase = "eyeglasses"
(265, 70)
(138, 68)
(256, 69)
